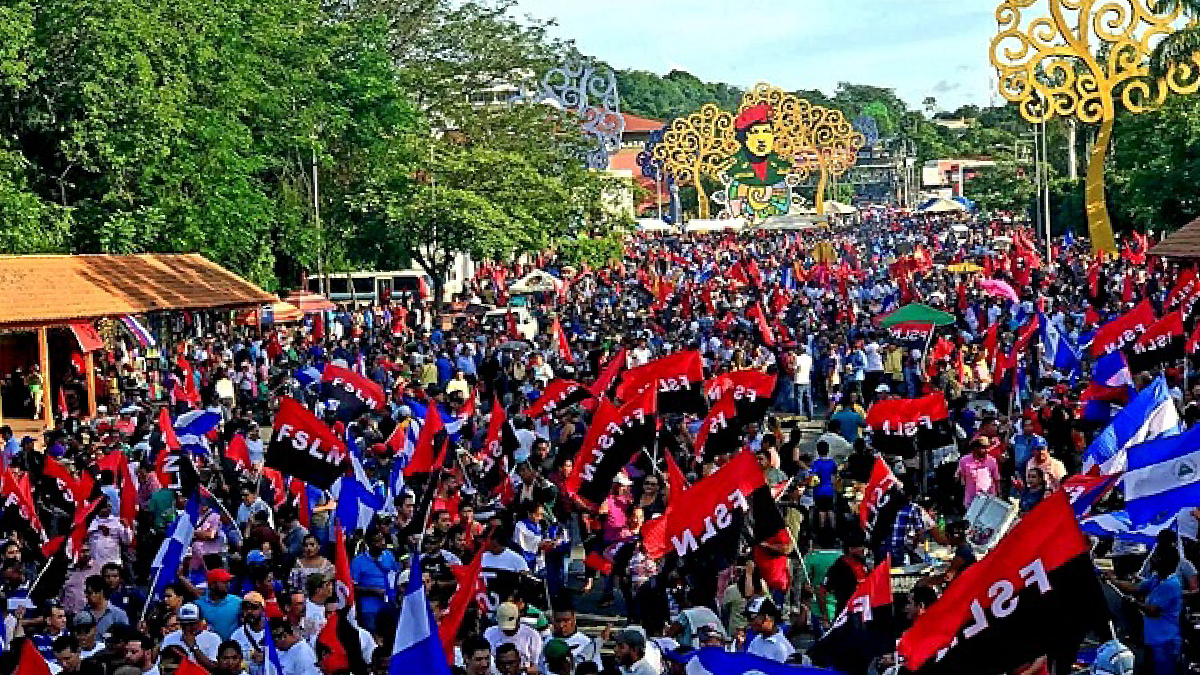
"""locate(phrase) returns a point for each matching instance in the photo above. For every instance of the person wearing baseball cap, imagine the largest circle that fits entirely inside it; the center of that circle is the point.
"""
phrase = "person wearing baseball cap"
(83, 626)
(510, 629)
(217, 606)
(559, 660)
(253, 630)
(200, 643)
(769, 642)
(631, 653)
(711, 635)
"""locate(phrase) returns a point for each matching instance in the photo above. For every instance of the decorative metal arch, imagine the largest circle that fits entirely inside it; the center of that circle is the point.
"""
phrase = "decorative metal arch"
(590, 91)
(866, 125)
(655, 170)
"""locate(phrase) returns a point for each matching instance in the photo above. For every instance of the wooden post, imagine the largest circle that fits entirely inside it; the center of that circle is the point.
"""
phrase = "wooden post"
(43, 334)
(89, 365)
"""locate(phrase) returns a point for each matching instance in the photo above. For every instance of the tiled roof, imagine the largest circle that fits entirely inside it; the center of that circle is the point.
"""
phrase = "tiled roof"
(42, 289)
(635, 124)
(1182, 243)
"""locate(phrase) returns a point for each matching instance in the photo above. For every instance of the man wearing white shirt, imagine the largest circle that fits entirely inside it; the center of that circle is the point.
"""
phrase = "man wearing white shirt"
(252, 632)
(769, 642)
(499, 556)
(201, 645)
(510, 630)
(802, 378)
(295, 655)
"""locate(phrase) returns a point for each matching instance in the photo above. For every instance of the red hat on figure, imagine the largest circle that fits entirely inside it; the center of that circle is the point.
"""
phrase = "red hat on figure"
(755, 114)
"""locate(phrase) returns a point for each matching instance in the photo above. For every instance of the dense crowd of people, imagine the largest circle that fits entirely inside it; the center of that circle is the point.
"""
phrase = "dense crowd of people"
(275, 560)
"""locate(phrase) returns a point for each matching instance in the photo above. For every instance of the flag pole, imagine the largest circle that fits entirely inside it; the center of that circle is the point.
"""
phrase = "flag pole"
(42, 573)
(150, 596)
(928, 342)
(429, 492)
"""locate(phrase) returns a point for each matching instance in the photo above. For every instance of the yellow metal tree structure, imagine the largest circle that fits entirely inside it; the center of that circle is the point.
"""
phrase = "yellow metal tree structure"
(1085, 59)
(834, 146)
(820, 140)
(701, 144)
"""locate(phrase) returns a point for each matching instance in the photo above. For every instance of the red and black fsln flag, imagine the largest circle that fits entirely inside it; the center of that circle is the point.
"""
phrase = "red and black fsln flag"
(726, 511)
(498, 451)
(354, 393)
(304, 447)
(1035, 594)
(863, 628)
(559, 395)
(902, 425)
(614, 438)
(1162, 343)
(679, 379)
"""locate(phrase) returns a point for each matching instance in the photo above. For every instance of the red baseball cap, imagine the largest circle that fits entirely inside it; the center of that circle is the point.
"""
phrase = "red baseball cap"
(219, 575)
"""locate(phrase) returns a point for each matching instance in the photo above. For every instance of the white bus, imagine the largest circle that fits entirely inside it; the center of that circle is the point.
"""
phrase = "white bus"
(372, 287)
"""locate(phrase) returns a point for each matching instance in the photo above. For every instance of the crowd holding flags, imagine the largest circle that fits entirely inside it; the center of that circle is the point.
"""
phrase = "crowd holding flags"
(1038, 579)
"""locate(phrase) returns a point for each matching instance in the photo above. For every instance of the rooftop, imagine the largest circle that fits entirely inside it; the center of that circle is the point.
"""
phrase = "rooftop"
(640, 125)
(1182, 243)
(46, 289)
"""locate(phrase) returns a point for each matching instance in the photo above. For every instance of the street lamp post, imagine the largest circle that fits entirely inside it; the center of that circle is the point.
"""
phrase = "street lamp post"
(1047, 180)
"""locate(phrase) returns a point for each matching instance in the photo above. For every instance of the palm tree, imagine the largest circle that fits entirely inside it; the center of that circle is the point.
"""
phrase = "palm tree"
(1178, 47)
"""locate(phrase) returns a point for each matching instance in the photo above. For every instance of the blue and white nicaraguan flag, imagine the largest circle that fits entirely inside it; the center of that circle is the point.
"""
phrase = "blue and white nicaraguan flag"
(417, 648)
(1163, 478)
(1150, 415)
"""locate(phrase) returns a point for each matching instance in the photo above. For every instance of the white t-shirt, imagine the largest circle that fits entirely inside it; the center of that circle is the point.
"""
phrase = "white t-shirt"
(508, 560)
(527, 640)
(526, 439)
(874, 360)
(803, 366)
(639, 356)
(583, 648)
(299, 660)
(776, 647)
(207, 641)
(251, 640)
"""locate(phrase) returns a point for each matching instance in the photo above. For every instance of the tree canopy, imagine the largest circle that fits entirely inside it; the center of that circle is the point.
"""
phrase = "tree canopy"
(179, 125)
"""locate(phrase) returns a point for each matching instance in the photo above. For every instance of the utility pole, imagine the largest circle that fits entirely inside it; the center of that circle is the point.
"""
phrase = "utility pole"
(1046, 175)
(323, 281)
(1072, 161)
(1037, 180)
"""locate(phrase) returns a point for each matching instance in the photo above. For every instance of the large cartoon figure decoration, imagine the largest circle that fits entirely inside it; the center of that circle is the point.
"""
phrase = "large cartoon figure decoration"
(760, 155)
(758, 184)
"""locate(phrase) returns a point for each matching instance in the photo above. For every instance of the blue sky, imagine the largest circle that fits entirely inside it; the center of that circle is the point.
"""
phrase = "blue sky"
(918, 48)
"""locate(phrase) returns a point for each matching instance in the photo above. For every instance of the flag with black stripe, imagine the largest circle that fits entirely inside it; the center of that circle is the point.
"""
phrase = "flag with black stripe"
(1035, 594)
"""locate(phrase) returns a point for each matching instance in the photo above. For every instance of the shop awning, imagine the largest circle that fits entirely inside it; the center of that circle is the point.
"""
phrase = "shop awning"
(278, 312)
(41, 290)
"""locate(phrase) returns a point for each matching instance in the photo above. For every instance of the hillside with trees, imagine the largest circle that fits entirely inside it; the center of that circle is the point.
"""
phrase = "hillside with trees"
(1151, 168)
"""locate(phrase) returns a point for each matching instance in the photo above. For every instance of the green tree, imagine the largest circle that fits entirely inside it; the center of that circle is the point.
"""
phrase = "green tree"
(1004, 187)
(1181, 46)
(1156, 189)
(486, 203)
(178, 125)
